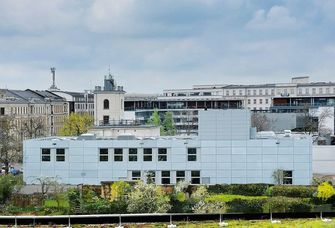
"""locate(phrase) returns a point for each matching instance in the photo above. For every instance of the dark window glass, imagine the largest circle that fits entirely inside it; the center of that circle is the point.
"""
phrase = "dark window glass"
(147, 154)
(162, 154)
(165, 177)
(195, 177)
(136, 175)
(287, 177)
(60, 155)
(46, 155)
(191, 154)
(132, 154)
(180, 176)
(106, 104)
(103, 155)
(118, 155)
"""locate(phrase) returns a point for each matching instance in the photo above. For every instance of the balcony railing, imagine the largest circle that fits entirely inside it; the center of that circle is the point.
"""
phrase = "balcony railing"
(122, 123)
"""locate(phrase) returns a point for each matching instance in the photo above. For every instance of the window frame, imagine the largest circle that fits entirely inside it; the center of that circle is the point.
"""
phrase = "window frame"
(195, 179)
(147, 154)
(164, 178)
(162, 153)
(43, 155)
(103, 154)
(117, 154)
(136, 178)
(133, 154)
(192, 155)
(180, 177)
(106, 104)
(60, 155)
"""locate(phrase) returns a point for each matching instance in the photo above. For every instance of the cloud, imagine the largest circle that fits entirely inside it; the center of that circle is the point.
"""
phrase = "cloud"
(278, 17)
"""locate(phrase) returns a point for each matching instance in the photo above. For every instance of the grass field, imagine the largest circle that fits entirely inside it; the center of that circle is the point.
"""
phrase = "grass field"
(287, 223)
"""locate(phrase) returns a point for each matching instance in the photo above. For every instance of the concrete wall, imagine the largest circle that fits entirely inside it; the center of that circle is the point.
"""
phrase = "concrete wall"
(324, 160)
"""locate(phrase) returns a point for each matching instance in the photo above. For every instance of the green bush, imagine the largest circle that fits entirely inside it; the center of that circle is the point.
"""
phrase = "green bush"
(8, 185)
(235, 203)
(239, 189)
(288, 204)
(292, 191)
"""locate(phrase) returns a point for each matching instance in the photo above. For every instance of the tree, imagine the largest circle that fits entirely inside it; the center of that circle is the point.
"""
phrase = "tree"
(154, 119)
(325, 191)
(278, 176)
(34, 127)
(168, 127)
(48, 183)
(9, 146)
(260, 121)
(323, 115)
(76, 124)
(148, 198)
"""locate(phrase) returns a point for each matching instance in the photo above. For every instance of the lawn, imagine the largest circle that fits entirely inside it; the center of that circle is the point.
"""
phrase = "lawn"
(287, 223)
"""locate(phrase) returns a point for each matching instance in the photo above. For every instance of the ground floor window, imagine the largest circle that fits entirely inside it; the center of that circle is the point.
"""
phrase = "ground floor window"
(162, 154)
(195, 177)
(165, 177)
(136, 175)
(287, 177)
(103, 155)
(180, 175)
(46, 155)
(118, 155)
(132, 154)
(60, 155)
(147, 154)
(151, 176)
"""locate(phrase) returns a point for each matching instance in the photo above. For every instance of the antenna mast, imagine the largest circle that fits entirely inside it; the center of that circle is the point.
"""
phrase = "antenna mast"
(53, 86)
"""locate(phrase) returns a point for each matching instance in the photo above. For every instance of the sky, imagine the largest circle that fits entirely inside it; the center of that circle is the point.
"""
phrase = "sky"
(151, 45)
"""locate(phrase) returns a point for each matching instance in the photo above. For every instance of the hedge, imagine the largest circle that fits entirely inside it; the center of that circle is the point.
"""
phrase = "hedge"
(287, 204)
(239, 203)
(239, 189)
(292, 191)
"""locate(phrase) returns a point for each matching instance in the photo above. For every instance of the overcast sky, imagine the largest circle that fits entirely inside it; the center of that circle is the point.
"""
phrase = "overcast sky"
(151, 45)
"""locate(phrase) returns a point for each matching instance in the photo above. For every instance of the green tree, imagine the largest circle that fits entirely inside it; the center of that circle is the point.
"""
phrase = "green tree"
(120, 190)
(168, 125)
(154, 119)
(76, 124)
(148, 198)
(8, 185)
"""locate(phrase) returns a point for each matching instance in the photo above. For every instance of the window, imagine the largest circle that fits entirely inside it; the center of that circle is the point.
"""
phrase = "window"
(278, 91)
(260, 92)
(255, 102)
(118, 155)
(136, 175)
(151, 176)
(249, 101)
(327, 91)
(227, 92)
(103, 155)
(180, 176)
(314, 91)
(147, 154)
(195, 177)
(266, 92)
(320, 91)
(106, 104)
(2, 111)
(291, 91)
(234, 92)
(306, 90)
(254, 92)
(287, 177)
(132, 154)
(248, 92)
(300, 91)
(272, 91)
(60, 155)
(240, 92)
(162, 154)
(46, 155)
(261, 101)
(165, 177)
(191, 154)
(106, 119)
(266, 101)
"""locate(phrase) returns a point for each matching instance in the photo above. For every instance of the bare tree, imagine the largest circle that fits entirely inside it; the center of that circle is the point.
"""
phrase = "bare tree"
(323, 115)
(260, 121)
(9, 145)
(33, 127)
(47, 184)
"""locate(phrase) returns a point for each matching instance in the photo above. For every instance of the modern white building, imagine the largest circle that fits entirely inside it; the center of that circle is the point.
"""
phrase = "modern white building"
(227, 150)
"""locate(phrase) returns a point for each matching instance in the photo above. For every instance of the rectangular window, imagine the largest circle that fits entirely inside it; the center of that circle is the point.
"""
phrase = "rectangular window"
(255, 92)
(300, 91)
(118, 154)
(314, 91)
(249, 101)
(165, 177)
(132, 154)
(136, 175)
(103, 155)
(266, 101)
(162, 154)
(272, 91)
(105, 119)
(151, 176)
(291, 91)
(306, 90)
(260, 92)
(2, 111)
(327, 90)
(195, 177)
(180, 176)
(227, 92)
(240, 92)
(234, 92)
(60, 155)
(261, 101)
(287, 177)
(255, 102)
(320, 91)
(147, 154)
(191, 154)
(248, 92)
(46, 155)
(266, 92)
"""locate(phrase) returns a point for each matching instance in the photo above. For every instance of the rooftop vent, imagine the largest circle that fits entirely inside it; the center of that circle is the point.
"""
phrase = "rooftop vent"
(87, 136)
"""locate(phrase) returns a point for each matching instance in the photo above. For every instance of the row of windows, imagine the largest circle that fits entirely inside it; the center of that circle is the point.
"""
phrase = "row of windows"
(84, 106)
(118, 154)
(260, 101)
(147, 154)
(150, 176)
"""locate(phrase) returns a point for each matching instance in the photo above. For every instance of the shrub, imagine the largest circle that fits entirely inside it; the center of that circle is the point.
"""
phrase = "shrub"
(8, 185)
(148, 198)
(240, 189)
(292, 191)
(325, 191)
(237, 203)
(209, 207)
(287, 204)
